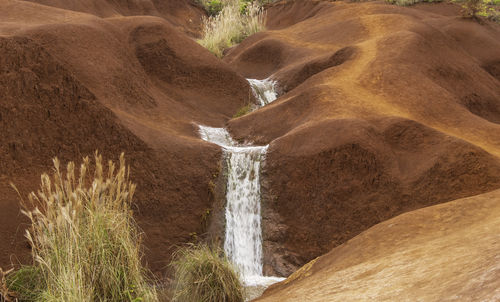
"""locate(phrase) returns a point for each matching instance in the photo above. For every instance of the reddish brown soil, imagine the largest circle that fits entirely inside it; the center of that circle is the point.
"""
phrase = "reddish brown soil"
(447, 252)
(72, 83)
(184, 15)
(384, 110)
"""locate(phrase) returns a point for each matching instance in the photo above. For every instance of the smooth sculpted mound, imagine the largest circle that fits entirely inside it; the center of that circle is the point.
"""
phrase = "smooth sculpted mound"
(447, 252)
(181, 14)
(383, 110)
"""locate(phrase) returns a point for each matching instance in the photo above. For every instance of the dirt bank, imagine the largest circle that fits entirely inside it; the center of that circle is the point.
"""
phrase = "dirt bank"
(447, 252)
(383, 110)
(72, 83)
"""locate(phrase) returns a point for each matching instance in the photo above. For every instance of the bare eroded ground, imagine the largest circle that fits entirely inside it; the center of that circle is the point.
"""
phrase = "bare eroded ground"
(447, 252)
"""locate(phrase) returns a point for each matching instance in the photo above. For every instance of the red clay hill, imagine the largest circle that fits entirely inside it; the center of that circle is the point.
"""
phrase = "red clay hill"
(446, 252)
(73, 82)
(383, 110)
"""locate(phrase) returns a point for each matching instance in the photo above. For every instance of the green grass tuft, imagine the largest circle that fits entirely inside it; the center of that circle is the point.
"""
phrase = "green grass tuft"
(204, 274)
(231, 26)
(25, 283)
(243, 111)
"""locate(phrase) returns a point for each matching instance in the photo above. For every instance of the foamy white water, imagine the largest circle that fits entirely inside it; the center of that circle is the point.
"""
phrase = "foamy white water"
(243, 239)
(264, 90)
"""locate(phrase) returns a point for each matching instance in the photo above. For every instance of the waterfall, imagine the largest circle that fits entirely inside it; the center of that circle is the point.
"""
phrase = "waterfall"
(263, 90)
(243, 238)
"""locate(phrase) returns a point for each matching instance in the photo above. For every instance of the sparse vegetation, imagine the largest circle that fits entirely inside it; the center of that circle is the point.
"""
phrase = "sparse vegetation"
(213, 7)
(85, 243)
(243, 111)
(25, 283)
(202, 273)
(470, 8)
(5, 293)
(231, 25)
(409, 2)
(205, 218)
(489, 9)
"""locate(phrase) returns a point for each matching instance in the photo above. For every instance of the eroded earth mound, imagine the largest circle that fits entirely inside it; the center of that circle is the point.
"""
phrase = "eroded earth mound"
(447, 252)
(382, 110)
(72, 83)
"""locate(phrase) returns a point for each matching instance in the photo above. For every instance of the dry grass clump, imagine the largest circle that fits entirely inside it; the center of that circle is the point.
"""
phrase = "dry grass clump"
(489, 9)
(471, 8)
(474, 9)
(231, 26)
(204, 274)
(409, 2)
(85, 243)
(213, 7)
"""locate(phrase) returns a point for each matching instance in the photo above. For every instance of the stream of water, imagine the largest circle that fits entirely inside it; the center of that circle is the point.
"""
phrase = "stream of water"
(243, 238)
(264, 90)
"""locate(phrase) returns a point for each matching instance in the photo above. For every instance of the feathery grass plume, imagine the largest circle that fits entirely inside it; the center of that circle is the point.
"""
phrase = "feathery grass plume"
(231, 26)
(86, 245)
(254, 19)
(204, 274)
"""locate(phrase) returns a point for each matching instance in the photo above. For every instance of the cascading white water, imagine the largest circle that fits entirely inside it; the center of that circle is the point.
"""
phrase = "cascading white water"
(243, 242)
(243, 239)
(264, 90)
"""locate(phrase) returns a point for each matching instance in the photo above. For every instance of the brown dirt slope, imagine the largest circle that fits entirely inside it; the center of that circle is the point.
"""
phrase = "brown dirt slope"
(384, 110)
(447, 252)
(72, 82)
(183, 14)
